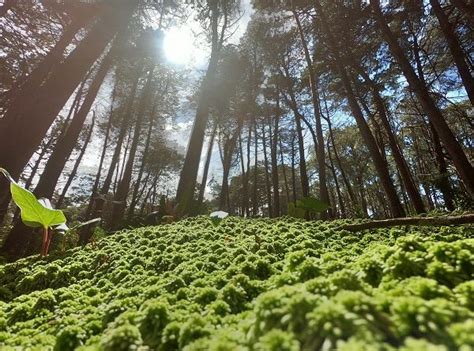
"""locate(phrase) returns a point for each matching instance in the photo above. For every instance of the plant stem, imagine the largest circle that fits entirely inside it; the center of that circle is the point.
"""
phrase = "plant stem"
(45, 242)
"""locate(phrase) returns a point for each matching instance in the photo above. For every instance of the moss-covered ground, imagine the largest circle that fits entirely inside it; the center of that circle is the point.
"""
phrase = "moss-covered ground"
(247, 284)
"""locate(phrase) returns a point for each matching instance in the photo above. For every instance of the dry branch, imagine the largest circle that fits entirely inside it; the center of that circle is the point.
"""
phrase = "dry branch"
(420, 221)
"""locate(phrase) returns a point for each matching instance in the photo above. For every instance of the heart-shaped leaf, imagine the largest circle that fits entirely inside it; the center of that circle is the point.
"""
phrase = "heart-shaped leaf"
(33, 213)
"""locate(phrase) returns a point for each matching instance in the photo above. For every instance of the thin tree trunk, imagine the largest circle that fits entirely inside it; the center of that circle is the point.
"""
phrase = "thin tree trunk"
(444, 184)
(134, 200)
(381, 166)
(455, 47)
(124, 126)
(287, 189)
(18, 141)
(465, 6)
(65, 145)
(274, 159)
(207, 164)
(462, 164)
(293, 168)
(255, 171)
(320, 148)
(267, 172)
(76, 166)
(120, 199)
(338, 189)
(398, 157)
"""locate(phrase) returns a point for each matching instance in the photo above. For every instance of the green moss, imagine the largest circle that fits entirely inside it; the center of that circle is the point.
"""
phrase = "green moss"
(191, 285)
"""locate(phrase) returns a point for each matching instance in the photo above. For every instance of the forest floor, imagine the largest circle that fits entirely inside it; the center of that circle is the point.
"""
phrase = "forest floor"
(247, 284)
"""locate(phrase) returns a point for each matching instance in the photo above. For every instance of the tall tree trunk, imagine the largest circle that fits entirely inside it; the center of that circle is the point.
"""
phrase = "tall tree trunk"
(136, 188)
(462, 164)
(73, 173)
(7, 5)
(27, 87)
(274, 159)
(124, 127)
(381, 166)
(65, 146)
(345, 179)
(455, 47)
(293, 169)
(95, 187)
(247, 175)
(255, 171)
(189, 173)
(18, 140)
(444, 184)
(285, 177)
(338, 189)
(397, 153)
(120, 199)
(267, 172)
(466, 7)
(320, 148)
(207, 164)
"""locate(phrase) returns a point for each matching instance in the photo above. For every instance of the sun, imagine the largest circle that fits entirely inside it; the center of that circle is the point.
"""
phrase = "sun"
(180, 47)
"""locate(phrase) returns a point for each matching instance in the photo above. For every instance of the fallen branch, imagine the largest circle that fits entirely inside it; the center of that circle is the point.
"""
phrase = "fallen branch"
(421, 221)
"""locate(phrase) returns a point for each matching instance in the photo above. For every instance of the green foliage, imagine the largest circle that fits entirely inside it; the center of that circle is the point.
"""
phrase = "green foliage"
(310, 205)
(195, 286)
(33, 212)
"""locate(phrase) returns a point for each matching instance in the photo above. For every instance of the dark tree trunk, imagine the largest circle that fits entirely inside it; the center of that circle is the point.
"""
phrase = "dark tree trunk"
(462, 164)
(342, 207)
(345, 179)
(73, 173)
(380, 165)
(293, 169)
(285, 177)
(136, 188)
(466, 7)
(66, 144)
(255, 171)
(455, 47)
(444, 183)
(397, 153)
(274, 158)
(7, 5)
(320, 148)
(207, 164)
(125, 124)
(189, 173)
(267, 172)
(18, 140)
(120, 199)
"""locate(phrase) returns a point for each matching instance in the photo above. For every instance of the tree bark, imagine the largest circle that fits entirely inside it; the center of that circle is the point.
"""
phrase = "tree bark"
(462, 164)
(381, 166)
(267, 172)
(320, 148)
(456, 49)
(73, 173)
(274, 159)
(65, 146)
(207, 164)
(124, 126)
(18, 141)
(136, 188)
(189, 173)
(120, 199)
(397, 154)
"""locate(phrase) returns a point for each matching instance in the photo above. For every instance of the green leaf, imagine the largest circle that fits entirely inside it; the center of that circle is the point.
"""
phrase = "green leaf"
(294, 211)
(312, 204)
(33, 213)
